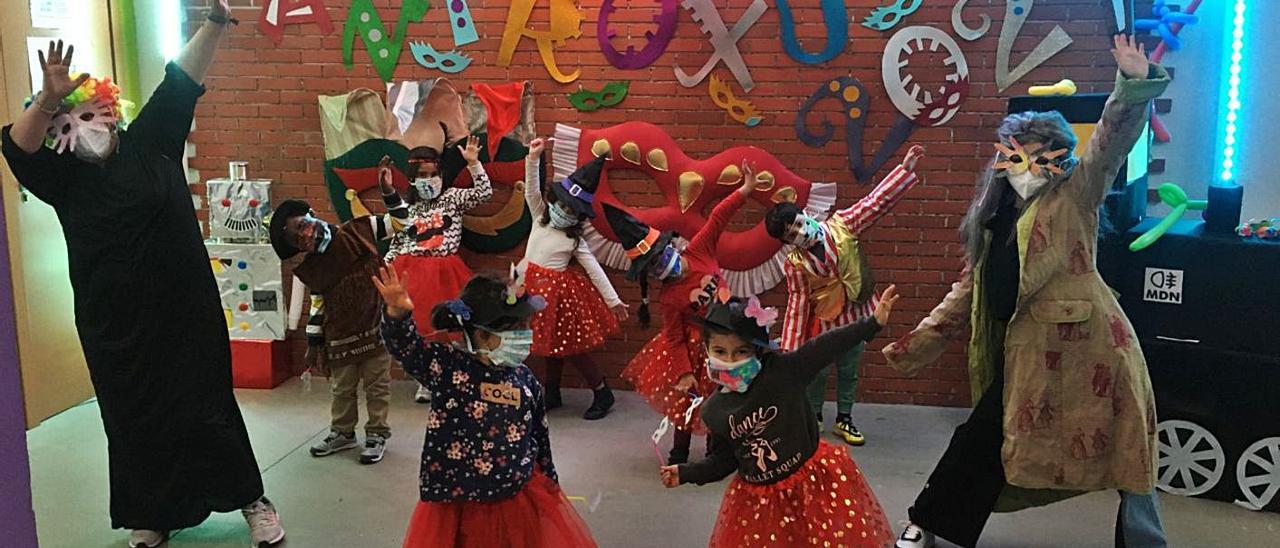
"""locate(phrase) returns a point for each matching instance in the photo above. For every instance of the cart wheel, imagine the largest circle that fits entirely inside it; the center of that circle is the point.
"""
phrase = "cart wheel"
(1258, 471)
(1191, 459)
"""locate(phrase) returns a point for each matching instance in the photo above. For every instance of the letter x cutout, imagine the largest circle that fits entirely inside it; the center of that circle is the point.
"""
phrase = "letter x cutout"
(724, 42)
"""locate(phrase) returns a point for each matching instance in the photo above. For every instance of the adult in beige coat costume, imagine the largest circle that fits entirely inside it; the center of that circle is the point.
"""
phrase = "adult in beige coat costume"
(1064, 399)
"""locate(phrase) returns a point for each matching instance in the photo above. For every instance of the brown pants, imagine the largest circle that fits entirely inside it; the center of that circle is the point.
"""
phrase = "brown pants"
(375, 371)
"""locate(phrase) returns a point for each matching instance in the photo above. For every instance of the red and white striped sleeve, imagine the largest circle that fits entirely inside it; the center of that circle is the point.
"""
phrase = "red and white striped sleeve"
(797, 315)
(865, 212)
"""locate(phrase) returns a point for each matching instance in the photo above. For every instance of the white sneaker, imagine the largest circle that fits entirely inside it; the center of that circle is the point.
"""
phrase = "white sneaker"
(146, 538)
(423, 395)
(915, 537)
(264, 523)
(374, 448)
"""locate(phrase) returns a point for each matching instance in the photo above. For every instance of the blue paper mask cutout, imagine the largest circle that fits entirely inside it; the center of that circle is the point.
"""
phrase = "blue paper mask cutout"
(724, 41)
(834, 16)
(657, 43)
(451, 62)
(854, 102)
(885, 17)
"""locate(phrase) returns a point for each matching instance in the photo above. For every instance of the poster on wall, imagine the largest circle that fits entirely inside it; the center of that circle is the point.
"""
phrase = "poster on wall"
(53, 14)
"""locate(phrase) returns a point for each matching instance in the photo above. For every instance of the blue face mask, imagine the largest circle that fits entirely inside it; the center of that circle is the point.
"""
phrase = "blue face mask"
(561, 219)
(668, 265)
(810, 232)
(323, 233)
(513, 350)
(735, 376)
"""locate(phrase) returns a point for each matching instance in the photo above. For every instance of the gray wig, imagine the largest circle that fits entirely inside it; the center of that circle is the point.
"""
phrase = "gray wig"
(1049, 128)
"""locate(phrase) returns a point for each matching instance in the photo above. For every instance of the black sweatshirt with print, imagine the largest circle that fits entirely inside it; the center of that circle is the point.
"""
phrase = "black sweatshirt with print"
(768, 432)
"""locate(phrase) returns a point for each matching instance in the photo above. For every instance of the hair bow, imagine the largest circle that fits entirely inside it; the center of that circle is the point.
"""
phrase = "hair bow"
(763, 316)
(459, 309)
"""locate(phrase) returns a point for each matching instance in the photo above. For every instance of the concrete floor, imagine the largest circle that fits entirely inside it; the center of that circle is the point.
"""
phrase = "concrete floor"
(336, 502)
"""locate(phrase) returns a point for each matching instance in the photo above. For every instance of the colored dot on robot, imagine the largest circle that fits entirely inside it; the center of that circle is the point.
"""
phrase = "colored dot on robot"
(244, 307)
(253, 203)
(226, 202)
(244, 326)
(244, 287)
(243, 265)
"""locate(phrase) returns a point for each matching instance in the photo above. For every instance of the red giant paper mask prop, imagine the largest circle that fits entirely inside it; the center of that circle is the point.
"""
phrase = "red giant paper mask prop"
(751, 260)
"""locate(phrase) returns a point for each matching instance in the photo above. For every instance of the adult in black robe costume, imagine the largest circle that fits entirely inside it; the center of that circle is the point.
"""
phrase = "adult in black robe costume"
(147, 308)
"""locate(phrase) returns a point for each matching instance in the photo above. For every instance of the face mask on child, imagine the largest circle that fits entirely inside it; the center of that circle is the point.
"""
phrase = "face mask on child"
(810, 233)
(513, 349)
(428, 188)
(735, 376)
(561, 219)
(667, 266)
(321, 231)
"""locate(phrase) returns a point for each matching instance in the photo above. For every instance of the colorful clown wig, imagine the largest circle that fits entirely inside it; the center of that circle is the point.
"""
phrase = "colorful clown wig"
(96, 102)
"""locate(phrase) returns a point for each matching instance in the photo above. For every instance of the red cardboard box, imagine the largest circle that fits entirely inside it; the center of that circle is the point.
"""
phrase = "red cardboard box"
(259, 364)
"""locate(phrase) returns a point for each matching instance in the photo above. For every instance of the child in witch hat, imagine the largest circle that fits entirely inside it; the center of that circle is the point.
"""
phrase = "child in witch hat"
(487, 476)
(578, 316)
(667, 371)
(792, 487)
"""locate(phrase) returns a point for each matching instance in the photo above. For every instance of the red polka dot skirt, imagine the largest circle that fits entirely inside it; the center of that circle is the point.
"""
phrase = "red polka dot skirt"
(575, 321)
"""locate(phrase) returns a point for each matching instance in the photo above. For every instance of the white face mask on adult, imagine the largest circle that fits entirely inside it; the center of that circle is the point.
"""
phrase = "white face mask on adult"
(1027, 184)
(96, 143)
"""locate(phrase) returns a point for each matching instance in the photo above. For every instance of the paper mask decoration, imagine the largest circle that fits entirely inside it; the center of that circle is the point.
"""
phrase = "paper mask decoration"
(855, 106)
(65, 128)
(656, 42)
(250, 288)
(566, 23)
(417, 109)
(834, 16)
(1020, 159)
(1015, 15)
(928, 110)
(464, 28)
(751, 260)
(738, 109)
(722, 40)
(384, 50)
(451, 62)
(278, 13)
(885, 17)
(586, 100)
(964, 31)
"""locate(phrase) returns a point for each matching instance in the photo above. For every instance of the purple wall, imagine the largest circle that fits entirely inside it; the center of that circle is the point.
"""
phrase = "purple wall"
(17, 519)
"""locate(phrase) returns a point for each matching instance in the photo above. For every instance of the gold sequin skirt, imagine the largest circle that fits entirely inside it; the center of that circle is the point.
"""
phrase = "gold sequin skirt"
(826, 502)
(575, 320)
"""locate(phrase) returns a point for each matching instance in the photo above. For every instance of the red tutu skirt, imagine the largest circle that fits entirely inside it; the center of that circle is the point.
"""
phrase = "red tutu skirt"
(575, 321)
(430, 280)
(656, 369)
(824, 503)
(536, 517)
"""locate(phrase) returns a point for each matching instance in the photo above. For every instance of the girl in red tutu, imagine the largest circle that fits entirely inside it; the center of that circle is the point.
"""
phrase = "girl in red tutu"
(487, 477)
(792, 487)
(580, 313)
(425, 253)
(667, 370)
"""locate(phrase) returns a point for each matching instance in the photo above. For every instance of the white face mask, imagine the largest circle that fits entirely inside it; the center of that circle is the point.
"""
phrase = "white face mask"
(1026, 184)
(95, 143)
(429, 188)
(810, 233)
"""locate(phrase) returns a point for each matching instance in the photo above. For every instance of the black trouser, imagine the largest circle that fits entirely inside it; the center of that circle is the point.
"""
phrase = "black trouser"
(966, 483)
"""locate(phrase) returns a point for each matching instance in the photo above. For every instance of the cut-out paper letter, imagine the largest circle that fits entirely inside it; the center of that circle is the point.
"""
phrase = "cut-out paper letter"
(464, 28)
(964, 31)
(855, 104)
(383, 49)
(566, 23)
(926, 110)
(667, 20)
(1015, 15)
(724, 41)
(834, 16)
(278, 13)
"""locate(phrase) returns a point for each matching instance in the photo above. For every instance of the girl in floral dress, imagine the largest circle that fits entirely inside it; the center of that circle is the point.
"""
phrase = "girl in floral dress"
(487, 476)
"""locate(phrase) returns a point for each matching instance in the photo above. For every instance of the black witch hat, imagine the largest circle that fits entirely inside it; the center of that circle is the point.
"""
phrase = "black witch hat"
(642, 242)
(578, 190)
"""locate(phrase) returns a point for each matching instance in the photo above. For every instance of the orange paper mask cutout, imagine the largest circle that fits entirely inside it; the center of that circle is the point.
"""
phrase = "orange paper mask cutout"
(566, 23)
(1020, 159)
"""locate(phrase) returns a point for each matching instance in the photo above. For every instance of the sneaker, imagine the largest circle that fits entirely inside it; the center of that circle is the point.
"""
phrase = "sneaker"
(375, 445)
(264, 523)
(915, 537)
(333, 443)
(601, 402)
(423, 395)
(845, 430)
(146, 538)
(551, 399)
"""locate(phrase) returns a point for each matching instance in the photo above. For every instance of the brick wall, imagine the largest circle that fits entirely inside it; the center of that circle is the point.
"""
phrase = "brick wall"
(261, 107)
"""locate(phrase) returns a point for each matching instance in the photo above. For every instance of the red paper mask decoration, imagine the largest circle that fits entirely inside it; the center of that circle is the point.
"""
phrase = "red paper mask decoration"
(750, 259)
(278, 13)
(723, 40)
(566, 23)
(656, 42)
